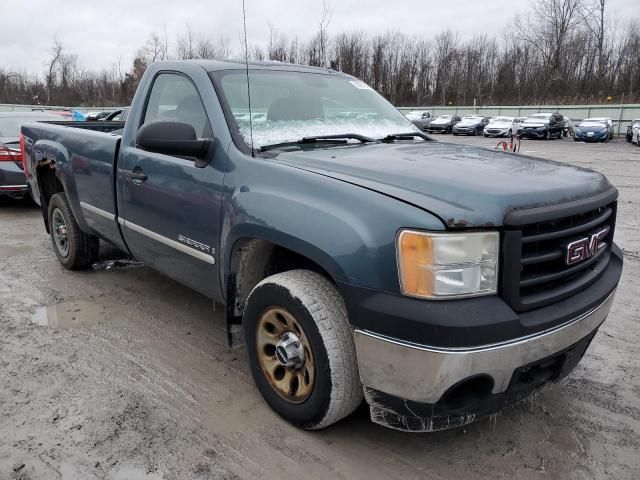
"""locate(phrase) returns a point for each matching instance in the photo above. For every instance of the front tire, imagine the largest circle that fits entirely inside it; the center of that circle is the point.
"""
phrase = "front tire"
(75, 249)
(315, 383)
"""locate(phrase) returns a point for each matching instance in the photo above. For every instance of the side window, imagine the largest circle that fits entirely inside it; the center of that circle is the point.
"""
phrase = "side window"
(174, 98)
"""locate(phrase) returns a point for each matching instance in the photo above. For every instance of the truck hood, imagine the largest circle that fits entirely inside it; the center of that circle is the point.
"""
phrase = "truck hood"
(464, 186)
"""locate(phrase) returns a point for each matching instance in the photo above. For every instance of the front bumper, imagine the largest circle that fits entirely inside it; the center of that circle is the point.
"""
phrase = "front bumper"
(497, 132)
(533, 132)
(464, 130)
(415, 356)
(596, 137)
(422, 388)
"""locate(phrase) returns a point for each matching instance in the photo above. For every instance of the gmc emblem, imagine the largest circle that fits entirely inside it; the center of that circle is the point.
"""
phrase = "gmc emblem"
(586, 247)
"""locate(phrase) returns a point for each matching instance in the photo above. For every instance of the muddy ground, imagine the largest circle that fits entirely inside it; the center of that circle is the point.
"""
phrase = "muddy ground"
(121, 373)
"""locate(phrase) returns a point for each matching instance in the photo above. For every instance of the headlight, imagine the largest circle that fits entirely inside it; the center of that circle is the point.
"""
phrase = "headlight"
(448, 265)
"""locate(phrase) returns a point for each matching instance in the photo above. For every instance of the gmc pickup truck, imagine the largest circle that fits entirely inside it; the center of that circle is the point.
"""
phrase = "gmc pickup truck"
(356, 257)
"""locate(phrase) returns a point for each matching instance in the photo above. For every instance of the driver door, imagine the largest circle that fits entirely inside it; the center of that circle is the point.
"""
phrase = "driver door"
(170, 208)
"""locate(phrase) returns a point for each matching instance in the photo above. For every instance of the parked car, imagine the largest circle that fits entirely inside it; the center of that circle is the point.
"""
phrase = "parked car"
(542, 125)
(420, 119)
(440, 282)
(94, 116)
(591, 130)
(470, 125)
(568, 129)
(607, 121)
(443, 124)
(12, 178)
(633, 132)
(502, 127)
(117, 115)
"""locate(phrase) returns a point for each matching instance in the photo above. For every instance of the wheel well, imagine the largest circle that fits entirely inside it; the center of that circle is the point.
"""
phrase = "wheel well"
(252, 260)
(49, 185)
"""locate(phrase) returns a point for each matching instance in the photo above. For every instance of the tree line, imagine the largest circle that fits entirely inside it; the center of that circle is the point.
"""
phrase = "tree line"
(555, 52)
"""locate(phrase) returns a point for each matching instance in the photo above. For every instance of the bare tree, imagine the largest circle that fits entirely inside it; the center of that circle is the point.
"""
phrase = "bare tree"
(56, 52)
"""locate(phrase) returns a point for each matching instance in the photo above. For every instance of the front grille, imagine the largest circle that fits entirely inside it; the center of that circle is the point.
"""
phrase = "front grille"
(537, 272)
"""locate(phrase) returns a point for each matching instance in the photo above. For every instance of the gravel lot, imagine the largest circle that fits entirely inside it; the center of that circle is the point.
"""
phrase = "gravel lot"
(121, 373)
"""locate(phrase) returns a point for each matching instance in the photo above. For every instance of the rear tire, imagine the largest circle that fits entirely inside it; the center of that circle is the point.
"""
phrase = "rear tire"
(75, 249)
(308, 305)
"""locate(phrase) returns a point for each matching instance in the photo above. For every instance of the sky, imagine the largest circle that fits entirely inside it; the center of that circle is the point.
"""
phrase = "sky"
(104, 33)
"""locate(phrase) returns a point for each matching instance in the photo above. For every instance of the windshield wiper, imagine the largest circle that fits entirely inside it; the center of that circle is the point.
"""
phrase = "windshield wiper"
(404, 136)
(338, 138)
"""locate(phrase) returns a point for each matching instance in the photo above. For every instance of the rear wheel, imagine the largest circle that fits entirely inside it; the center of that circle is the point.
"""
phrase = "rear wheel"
(301, 350)
(75, 249)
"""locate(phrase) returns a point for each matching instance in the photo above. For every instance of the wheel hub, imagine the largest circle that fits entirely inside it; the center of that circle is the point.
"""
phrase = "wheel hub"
(60, 235)
(285, 355)
(289, 351)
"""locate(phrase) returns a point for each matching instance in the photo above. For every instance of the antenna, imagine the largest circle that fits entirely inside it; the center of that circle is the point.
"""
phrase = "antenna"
(246, 62)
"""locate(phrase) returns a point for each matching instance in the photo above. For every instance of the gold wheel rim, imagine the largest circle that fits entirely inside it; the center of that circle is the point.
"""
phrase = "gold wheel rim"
(292, 384)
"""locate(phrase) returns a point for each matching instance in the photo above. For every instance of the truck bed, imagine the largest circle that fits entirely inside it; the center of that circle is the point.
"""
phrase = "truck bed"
(105, 127)
(85, 155)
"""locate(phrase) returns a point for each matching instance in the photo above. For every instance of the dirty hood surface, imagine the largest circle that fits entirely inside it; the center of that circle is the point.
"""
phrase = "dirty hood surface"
(464, 186)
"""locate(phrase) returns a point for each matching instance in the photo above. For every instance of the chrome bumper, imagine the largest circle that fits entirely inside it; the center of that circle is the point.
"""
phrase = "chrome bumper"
(423, 373)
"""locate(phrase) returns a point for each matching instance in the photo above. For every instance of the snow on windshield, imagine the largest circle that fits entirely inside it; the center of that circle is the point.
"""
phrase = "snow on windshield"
(288, 105)
(269, 133)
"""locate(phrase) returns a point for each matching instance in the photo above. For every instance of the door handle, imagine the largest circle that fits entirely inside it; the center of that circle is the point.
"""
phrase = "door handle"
(136, 175)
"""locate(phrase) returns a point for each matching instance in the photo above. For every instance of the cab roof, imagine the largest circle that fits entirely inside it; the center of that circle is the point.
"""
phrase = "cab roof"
(239, 64)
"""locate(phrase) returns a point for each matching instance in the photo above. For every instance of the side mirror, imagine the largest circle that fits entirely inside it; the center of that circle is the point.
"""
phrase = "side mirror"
(172, 138)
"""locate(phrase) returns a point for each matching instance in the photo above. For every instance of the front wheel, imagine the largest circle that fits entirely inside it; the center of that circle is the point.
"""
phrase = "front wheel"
(75, 249)
(301, 350)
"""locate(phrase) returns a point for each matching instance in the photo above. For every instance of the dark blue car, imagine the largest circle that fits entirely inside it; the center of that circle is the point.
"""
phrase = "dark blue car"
(592, 131)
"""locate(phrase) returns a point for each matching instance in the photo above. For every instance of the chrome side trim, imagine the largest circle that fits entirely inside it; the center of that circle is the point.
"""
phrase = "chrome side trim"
(167, 241)
(423, 373)
(12, 186)
(98, 211)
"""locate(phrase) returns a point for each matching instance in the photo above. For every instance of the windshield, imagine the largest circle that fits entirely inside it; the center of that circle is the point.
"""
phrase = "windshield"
(592, 123)
(539, 116)
(287, 106)
(502, 120)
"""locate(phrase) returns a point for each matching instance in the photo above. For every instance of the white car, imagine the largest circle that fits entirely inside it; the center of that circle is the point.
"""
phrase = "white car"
(635, 132)
(502, 127)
